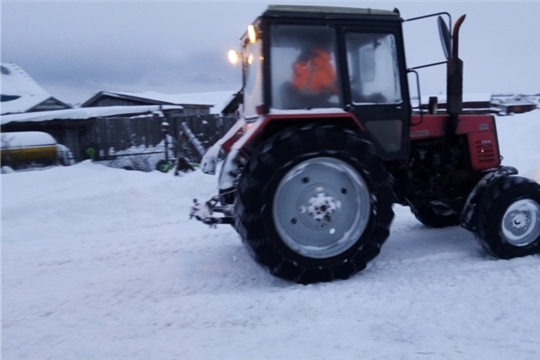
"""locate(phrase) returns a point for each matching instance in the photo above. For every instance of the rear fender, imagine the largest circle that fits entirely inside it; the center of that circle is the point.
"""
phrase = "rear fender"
(469, 215)
(240, 151)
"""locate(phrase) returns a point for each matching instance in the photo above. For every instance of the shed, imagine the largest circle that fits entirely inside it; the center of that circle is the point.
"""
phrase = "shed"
(517, 104)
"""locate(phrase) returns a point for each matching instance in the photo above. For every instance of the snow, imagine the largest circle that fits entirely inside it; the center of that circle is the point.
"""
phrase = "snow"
(216, 99)
(102, 263)
(518, 141)
(141, 158)
(26, 139)
(22, 104)
(518, 100)
(85, 113)
(15, 81)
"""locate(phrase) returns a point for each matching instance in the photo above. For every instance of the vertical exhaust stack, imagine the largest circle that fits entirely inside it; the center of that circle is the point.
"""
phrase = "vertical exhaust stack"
(454, 89)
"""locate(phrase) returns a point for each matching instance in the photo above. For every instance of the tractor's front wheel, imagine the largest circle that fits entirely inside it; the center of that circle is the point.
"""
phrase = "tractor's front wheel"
(509, 220)
(314, 204)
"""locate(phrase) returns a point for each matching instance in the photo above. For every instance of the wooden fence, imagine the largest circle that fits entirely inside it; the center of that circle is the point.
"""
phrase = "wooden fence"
(107, 137)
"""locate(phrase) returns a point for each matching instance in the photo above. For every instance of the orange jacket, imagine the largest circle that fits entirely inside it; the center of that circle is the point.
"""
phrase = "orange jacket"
(315, 74)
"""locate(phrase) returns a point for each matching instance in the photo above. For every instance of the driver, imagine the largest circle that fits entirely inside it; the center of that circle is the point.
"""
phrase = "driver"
(313, 72)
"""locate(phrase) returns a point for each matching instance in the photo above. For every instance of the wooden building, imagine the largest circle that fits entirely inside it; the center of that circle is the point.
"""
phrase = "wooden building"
(517, 104)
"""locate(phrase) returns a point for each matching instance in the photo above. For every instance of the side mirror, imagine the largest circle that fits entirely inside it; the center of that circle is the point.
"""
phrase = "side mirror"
(444, 34)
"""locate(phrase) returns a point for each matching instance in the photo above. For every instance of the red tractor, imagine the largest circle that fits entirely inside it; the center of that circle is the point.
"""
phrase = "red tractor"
(324, 147)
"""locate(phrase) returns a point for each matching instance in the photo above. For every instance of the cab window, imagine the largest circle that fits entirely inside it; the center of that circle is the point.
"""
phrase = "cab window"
(372, 64)
(304, 72)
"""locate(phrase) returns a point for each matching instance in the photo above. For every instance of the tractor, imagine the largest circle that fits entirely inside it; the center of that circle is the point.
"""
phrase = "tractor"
(309, 173)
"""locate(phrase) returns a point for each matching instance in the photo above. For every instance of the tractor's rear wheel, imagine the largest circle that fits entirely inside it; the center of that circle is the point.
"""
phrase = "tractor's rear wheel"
(509, 220)
(314, 204)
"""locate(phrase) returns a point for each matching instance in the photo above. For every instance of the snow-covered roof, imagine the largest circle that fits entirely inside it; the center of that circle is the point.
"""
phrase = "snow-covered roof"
(26, 94)
(15, 81)
(23, 103)
(518, 99)
(85, 113)
(216, 100)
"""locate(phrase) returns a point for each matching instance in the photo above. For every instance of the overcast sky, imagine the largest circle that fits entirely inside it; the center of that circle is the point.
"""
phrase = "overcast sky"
(76, 49)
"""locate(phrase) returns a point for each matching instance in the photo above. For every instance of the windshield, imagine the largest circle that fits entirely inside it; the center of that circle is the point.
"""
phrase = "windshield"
(252, 62)
(303, 67)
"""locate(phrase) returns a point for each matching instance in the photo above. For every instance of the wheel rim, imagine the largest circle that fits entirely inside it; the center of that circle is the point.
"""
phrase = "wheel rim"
(521, 223)
(321, 207)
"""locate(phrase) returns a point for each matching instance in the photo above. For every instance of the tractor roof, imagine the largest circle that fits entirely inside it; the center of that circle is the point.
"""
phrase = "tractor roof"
(333, 11)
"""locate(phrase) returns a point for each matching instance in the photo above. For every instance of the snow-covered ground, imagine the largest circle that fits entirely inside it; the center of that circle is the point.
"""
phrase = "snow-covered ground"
(102, 263)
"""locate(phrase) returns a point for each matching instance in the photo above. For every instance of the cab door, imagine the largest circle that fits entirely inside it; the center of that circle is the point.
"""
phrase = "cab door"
(376, 88)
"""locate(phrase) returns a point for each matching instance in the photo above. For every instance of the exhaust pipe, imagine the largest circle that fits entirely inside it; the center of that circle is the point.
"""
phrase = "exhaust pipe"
(454, 76)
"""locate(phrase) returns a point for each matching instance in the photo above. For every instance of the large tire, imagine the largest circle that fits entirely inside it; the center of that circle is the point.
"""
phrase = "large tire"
(509, 218)
(314, 204)
(435, 218)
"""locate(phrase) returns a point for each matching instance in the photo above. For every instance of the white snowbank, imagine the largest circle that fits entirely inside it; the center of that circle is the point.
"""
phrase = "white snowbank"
(519, 142)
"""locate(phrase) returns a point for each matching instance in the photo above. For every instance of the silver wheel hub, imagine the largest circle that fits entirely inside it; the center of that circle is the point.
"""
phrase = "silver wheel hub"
(321, 207)
(521, 223)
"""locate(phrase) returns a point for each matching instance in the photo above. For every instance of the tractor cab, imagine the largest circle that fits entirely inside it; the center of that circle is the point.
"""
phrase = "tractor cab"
(304, 61)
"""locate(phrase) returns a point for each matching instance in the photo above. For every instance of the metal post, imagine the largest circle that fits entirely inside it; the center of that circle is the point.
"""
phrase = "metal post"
(165, 129)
